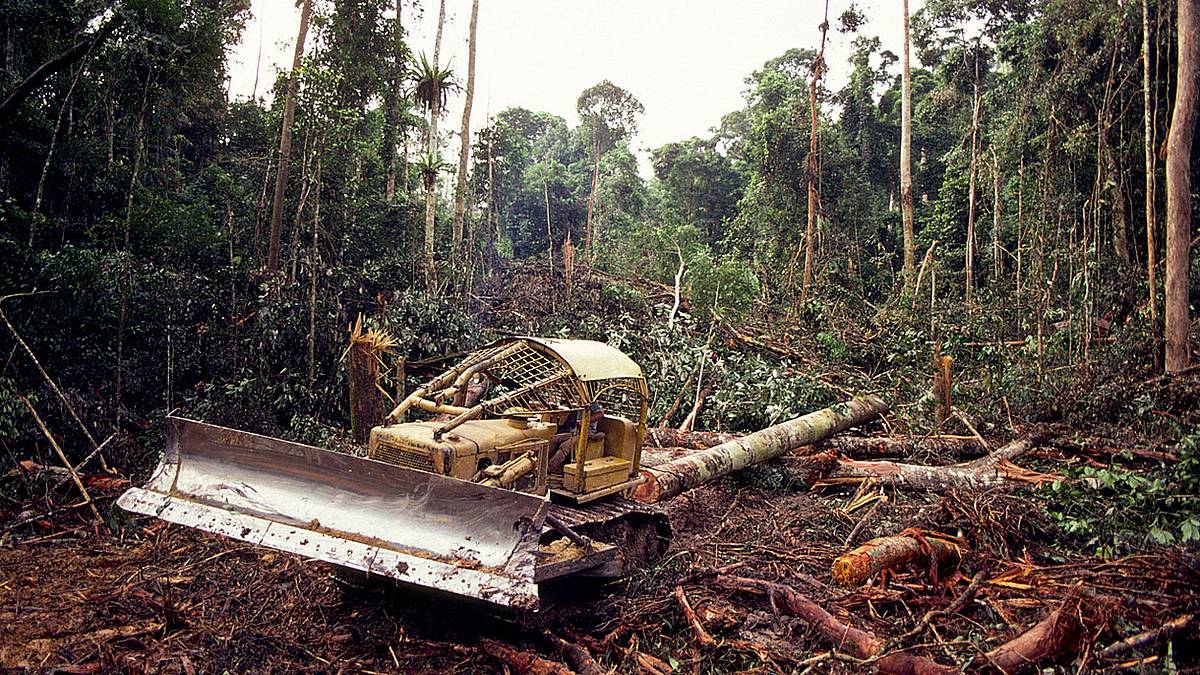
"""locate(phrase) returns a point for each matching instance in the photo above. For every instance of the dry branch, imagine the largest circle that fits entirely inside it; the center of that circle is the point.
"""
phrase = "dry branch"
(62, 457)
(857, 643)
(698, 631)
(575, 655)
(1146, 638)
(521, 661)
(939, 554)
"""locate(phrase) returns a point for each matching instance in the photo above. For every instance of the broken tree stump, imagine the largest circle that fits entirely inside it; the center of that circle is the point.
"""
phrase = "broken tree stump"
(858, 643)
(676, 476)
(940, 555)
(363, 360)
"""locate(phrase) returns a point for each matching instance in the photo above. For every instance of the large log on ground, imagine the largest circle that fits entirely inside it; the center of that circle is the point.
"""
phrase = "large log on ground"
(670, 479)
(1054, 638)
(993, 470)
(857, 643)
(522, 661)
(858, 447)
(940, 555)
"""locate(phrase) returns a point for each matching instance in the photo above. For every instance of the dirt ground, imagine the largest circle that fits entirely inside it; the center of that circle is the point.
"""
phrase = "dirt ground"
(153, 597)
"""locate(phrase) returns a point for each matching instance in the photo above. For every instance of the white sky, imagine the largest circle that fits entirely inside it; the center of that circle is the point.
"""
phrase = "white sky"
(685, 60)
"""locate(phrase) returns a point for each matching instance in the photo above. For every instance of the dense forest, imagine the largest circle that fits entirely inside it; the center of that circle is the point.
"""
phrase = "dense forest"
(1004, 210)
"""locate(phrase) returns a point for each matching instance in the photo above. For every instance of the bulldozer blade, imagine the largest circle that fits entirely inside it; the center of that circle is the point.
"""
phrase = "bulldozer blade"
(417, 527)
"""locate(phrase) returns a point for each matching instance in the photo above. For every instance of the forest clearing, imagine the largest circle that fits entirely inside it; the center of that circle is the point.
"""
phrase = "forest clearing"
(890, 370)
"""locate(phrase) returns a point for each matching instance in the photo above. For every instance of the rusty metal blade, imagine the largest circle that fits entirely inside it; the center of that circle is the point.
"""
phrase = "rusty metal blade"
(416, 527)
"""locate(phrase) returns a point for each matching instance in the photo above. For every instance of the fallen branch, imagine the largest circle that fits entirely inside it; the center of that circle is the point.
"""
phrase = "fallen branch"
(939, 554)
(1147, 637)
(1058, 635)
(702, 636)
(521, 661)
(575, 655)
(857, 643)
(62, 457)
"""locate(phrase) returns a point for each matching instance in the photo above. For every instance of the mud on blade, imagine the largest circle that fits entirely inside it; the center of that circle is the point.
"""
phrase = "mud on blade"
(416, 527)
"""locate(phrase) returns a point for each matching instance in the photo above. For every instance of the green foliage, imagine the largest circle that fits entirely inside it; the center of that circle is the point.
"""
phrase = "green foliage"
(1116, 510)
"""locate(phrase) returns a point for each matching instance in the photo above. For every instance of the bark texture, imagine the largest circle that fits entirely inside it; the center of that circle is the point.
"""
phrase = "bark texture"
(938, 554)
(674, 477)
(520, 661)
(1058, 635)
(1179, 188)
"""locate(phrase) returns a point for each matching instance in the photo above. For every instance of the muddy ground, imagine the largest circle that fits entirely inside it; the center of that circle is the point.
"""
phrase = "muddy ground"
(152, 597)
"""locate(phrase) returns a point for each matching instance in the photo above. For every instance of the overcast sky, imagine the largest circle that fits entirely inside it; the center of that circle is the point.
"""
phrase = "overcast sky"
(685, 60)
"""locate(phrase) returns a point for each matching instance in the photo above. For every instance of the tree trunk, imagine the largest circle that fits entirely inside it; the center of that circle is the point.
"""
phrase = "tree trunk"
(139, 143)
(1151, 169)
(520, 661)
(670, 479)
(591, 205)
(811, 167)
(906, 197)
(391, 127)
(858, 447)
(460, 193)
(431, 147)
(997, 249)
(1120, 232)
(362, 373)
(1060, 634)
(313, 260)
(938, 554)
(971, 189)
(1179, 190)
(285, 141)
(13, 100)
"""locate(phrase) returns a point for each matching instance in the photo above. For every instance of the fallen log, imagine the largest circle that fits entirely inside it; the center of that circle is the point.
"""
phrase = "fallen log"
(858, 447)
(993, 470)
(1058, 635)
(1148, 637)
(674, 477)
(857, 643)
(939, 554)
(524, 662)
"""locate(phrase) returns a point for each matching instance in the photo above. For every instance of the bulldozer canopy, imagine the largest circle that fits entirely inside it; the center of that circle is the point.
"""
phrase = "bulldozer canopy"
(591, 360)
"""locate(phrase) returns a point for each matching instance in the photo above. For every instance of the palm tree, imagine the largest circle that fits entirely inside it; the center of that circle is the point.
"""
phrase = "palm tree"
(433, 86)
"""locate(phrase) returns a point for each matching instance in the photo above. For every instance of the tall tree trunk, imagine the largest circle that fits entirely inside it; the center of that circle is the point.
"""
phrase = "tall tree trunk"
(811, 167)
(1179, 188)
(285, 141)
(1151, 169)
(549, 235)
(431, 147)
(391, 128)
(997, 261)
(139, 143)
(906, 197)
(971, 189)
(460, 192)
(313, 259)
(591, 204)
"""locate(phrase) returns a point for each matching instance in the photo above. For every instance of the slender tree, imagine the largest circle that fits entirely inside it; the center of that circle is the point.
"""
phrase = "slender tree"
(811, 166)
(392, 128)
(1179, 187)
(1151, 169)
(460, 192)
(285, 141)
(906, 198)
(434, 101)
(970, 262)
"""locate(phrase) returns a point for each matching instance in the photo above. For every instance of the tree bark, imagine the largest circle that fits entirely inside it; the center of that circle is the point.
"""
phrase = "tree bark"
(391, 129)
(997, 260)
(810, 163)
(906, 197)
(1060, 634)
(1179, 190)
(460, 193)
(285, 141)
(940, 556)
(857, 643)
(520, 661)
(587, 232)
(1151, 169)
(858, 447)
(674, 477)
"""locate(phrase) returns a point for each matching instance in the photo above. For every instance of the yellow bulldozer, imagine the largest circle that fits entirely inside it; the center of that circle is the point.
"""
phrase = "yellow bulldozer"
(519, 477)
